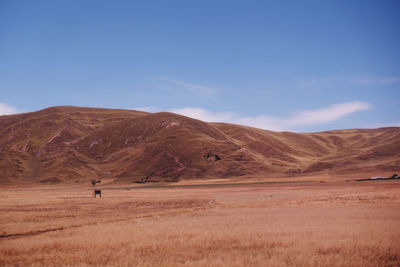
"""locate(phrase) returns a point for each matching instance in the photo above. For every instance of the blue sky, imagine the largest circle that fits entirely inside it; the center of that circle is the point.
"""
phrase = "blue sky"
(279, 65)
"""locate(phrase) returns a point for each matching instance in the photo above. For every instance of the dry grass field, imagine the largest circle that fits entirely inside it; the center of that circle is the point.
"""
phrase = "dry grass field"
(261, 224)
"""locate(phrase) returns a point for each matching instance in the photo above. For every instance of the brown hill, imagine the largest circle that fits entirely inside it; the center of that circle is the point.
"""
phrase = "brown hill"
(73, 144)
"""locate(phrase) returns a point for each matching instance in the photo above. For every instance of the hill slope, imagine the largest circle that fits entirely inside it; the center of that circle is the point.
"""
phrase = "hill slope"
(73, 143)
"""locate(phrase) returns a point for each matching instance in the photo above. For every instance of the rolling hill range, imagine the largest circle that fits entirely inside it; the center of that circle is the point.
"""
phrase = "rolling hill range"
(78, 144)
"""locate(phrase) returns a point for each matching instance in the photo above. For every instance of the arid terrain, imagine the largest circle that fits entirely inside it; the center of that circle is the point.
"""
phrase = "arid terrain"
(263, 222)
(199, 133)
(75, 144)
(181, 192)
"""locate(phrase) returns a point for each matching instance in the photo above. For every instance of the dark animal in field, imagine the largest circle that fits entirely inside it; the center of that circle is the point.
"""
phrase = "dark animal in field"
(97, 192)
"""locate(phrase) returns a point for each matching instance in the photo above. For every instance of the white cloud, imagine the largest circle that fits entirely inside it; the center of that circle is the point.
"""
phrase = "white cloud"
(263, 122)
(328, 114)
(203, 114)
(7, 110)
(148, 109)
(300, 118)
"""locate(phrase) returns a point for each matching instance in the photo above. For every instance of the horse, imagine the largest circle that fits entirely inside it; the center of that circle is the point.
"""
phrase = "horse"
(96, 192)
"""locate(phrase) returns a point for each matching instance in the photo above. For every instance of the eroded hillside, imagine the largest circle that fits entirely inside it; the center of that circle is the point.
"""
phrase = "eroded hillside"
(74, 144)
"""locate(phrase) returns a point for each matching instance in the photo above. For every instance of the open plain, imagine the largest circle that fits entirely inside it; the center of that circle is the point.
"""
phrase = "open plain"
(215, 223)
(200, 133)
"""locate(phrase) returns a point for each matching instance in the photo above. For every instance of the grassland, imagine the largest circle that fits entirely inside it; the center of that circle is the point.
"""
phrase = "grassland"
(76, 144)
(260, 224)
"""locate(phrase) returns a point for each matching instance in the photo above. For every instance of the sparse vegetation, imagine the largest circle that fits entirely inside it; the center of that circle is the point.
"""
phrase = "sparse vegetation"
(298, 224)
(65, 144)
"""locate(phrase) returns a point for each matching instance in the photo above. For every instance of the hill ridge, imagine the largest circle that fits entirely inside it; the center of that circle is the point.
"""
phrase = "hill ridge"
(68, 143)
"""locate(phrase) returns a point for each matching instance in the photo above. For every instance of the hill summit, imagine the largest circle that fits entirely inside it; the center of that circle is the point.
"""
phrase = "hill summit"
(75, 144)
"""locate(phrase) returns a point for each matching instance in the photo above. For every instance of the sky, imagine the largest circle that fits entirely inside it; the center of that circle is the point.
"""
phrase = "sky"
(299, 66)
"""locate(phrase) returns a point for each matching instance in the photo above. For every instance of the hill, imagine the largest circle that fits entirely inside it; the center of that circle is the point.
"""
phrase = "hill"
(77, 144)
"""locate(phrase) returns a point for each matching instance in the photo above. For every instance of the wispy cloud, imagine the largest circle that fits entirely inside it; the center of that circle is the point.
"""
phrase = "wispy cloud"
(298, 119)
(203, 114)
(365, 79)
(390, 80)
(7, 110)
(175, 85)
(327, 114)
(347, 79)
(196, 88)
(148, 109)
(382, 124)
(263, 122)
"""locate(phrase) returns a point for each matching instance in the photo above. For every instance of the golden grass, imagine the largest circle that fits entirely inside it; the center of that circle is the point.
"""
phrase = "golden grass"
(314, 224)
